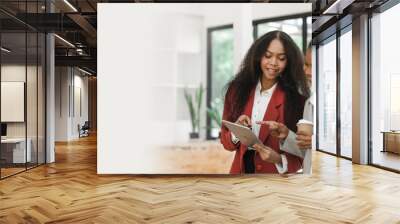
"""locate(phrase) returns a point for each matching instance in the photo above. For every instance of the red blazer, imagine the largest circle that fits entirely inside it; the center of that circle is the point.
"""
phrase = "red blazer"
(275, 112)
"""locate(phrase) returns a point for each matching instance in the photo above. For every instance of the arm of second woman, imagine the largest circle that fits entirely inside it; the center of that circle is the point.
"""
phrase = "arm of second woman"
(269, 155)
(284, 162)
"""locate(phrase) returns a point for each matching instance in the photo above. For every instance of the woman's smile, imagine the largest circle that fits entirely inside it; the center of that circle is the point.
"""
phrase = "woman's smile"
(272, 72)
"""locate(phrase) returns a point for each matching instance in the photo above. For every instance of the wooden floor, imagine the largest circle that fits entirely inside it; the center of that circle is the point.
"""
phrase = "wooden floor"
(10, 171)
(70, 191)
(386, 159)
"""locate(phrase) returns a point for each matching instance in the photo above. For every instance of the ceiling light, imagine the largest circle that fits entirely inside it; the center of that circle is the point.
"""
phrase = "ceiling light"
(84, 71)
(333, 6)
(79, 51)
(5, 50)
(64, 40)
(337, 7)
(70, 5)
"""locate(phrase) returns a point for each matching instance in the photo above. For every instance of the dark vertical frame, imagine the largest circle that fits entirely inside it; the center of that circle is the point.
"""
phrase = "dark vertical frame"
(73, 90)
(26, 86)
(37, 90)
(369, 100)
(338, 72)
(255, 32)
(44, 79)
(69, 93)
(209, 73)
(316, 97)
(209, 83)
(304, 34)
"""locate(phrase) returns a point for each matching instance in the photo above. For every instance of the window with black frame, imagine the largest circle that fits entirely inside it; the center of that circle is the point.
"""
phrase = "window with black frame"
(334, 93)
(219, 72)
(327, 96)
(297, 26)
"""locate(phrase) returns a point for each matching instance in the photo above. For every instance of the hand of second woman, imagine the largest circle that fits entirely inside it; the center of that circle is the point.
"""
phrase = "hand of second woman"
(267, 154)
(276, 129)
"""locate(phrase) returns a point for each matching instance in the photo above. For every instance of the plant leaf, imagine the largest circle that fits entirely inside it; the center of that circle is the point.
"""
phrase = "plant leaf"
(189, 101)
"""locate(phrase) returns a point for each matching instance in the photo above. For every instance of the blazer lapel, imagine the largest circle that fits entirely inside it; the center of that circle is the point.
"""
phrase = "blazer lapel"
(272, 112)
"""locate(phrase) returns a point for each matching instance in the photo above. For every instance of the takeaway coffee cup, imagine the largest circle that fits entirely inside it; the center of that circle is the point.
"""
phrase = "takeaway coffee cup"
(305, 127)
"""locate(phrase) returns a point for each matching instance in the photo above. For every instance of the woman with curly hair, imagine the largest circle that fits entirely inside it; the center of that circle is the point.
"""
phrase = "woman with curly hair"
(270, 86)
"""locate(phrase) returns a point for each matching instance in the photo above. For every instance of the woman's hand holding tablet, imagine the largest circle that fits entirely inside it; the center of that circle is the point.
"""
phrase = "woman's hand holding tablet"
(245, 135)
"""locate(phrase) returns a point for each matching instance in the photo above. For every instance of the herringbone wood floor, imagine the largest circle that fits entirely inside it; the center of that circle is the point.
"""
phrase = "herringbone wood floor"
(70, 191)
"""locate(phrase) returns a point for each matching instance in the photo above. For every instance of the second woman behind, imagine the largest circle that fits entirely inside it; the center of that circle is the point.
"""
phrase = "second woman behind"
(266, 88)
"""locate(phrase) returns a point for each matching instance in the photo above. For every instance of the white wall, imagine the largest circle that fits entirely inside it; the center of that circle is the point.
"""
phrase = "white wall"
(81, 81)
(61, 103)
(68, 81)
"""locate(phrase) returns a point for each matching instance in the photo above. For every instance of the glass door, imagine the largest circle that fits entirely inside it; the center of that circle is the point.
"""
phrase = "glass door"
(345, 42)
(327, 96)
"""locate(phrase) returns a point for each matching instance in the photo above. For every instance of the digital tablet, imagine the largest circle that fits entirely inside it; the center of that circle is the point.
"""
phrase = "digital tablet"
(243, 133)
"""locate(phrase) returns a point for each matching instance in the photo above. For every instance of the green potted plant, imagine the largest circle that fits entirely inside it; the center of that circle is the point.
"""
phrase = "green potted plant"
(214, 113)
(194, 106)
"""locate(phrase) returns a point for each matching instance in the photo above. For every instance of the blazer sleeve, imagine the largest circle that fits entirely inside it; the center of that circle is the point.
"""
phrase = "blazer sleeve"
(226, 136)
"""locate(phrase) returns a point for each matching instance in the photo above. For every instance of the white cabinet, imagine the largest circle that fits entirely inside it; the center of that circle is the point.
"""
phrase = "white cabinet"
(17, 148)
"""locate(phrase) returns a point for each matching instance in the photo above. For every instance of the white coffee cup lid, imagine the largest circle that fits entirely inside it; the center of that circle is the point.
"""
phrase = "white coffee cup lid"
(303, 121)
